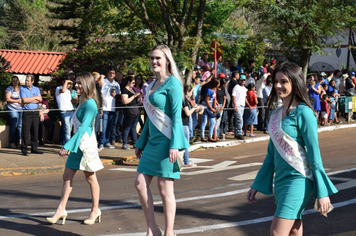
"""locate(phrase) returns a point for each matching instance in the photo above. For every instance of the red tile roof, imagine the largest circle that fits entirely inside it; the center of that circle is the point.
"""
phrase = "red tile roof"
(32, 62)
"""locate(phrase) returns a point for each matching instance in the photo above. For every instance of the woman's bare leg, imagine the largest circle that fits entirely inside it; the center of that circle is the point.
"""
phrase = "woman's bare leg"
(285, 227)
(95, 193)
(251, 129)
(166, 190)
(67, 187)
(142, 185)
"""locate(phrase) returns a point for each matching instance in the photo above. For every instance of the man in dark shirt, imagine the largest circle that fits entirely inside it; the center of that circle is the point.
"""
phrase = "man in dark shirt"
(30, 96)
(116, 135)
(233, 81)
(270, 69)
(99, 81)
(350, 86)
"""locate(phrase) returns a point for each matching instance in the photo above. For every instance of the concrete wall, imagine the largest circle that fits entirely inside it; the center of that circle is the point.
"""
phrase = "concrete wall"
(5, 130)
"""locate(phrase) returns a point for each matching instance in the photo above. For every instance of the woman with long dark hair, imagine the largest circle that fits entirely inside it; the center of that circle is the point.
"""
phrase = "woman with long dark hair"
(138, 89)
(210, 112)
(130, 98)
(314, 90)
(293, 156)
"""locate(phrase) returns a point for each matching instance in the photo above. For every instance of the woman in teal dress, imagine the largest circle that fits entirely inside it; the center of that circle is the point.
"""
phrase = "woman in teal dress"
(158, 154)
(292, 188)
(85, 114)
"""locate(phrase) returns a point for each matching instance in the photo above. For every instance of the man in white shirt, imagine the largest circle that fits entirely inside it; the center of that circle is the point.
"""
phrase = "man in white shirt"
(109, 90)
(64, 101)
(260, 85)
(249, 78)
(238, 101)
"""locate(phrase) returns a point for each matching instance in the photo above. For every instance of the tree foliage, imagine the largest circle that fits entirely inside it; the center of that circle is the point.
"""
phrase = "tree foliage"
(5, 77)
(78, 19)
(302, 25)
(186, 26)
(24, 25)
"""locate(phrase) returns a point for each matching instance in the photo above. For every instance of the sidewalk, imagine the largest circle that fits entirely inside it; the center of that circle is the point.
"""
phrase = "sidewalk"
(12, 163)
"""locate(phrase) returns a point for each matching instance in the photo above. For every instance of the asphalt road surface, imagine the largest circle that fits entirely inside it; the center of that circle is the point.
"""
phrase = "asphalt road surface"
(210, 197)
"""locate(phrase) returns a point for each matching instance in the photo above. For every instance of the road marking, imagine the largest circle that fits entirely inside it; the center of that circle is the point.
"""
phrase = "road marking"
(125, 206)
(346, 185)
(201, 169)
(246, 176)
(249, 156)
(200, 160)
(235, 224)
(125, 169)
(340, 179)
(341, 171)
(222, 164)
(220, 167)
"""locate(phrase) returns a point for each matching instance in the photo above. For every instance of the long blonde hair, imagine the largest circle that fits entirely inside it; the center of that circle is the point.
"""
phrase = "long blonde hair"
(88, 84)
(172, 67)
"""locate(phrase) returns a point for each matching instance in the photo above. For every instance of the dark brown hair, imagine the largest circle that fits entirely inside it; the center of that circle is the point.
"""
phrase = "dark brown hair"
(299, 90)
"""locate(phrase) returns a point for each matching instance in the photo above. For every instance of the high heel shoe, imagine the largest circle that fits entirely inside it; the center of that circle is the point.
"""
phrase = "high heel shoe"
(54, 220)
(159, 232)
(91, 222)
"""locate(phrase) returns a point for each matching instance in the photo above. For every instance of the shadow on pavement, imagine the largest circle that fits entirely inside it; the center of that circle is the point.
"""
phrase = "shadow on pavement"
(251, 218)
(41, 228)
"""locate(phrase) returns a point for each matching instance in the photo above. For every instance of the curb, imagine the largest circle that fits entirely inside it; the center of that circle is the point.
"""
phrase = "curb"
(262, 138)
(7, 172)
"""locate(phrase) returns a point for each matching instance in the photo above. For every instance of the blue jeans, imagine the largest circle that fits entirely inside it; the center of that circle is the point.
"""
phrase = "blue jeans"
(218, 122)
(195, 123)
(191, 130)
(97, 122)
(116, 133)
(239, 121)
(130, 125)
(15, 120)
(204, 121)
(66, 128)
(223, 126)
(108, 124)
(186, 153)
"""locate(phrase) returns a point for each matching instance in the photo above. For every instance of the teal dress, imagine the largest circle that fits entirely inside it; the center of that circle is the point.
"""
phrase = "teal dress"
(292, 190)
(85, 114)
(154, 160)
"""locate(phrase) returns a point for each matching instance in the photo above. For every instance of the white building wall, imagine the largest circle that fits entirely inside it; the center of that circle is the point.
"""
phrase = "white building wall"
(329, 54)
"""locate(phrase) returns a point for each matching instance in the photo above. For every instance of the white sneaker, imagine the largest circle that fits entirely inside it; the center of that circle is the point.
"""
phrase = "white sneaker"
(108, 145)
(101, 147)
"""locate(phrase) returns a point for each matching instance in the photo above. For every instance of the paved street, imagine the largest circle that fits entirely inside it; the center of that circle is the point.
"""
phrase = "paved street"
(210, 197)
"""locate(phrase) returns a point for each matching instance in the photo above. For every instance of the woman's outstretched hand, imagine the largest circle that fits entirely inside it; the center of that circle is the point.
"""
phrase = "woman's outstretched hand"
(173, 155)
(138, 152)
(251, 195)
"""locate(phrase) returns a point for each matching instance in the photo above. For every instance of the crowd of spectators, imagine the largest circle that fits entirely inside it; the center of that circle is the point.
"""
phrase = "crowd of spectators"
(236, 99)
(231, 103)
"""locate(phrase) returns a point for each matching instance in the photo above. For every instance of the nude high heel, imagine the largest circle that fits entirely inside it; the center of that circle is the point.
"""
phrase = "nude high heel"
(159, 232)
(54, 220)
(91, 222)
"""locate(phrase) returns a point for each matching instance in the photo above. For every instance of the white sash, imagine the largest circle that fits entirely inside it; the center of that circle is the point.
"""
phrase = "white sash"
(161, 121)
(287, 147)
(88, 145)
(158, 118)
